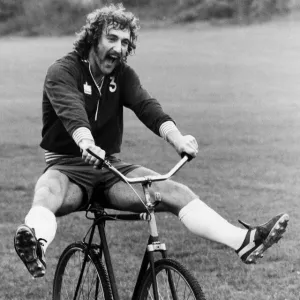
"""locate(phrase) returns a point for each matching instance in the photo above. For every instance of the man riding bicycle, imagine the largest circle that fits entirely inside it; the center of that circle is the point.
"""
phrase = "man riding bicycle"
(83, 99)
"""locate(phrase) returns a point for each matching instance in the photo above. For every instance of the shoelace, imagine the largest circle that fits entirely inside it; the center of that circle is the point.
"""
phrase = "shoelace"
(42, 244)
(248, 226)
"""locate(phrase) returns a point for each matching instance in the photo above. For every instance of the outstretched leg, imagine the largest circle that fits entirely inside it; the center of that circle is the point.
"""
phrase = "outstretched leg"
(249, 243)
(199, 218)
(54, 195)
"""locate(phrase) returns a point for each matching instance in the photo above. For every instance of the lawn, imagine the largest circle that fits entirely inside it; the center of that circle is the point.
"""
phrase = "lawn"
(236, 89)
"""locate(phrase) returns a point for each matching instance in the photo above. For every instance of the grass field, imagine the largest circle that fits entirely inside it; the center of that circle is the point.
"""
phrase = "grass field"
(237, 91)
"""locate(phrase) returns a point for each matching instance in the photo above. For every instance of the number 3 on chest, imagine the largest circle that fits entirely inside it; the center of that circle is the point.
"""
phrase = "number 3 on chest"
(112, 84)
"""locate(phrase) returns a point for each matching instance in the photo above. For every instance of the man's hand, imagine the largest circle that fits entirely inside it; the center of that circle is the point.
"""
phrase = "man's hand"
(89, 144)
(183, 143)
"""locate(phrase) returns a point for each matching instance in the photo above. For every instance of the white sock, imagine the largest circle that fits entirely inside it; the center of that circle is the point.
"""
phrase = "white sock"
(44, 223)
(201, 220)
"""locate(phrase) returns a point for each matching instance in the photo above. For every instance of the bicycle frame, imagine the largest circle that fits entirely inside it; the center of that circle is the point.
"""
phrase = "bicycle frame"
(153, 245)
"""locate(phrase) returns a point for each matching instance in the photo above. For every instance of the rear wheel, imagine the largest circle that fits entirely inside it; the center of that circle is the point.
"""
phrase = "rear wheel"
(173, 282)
(94, 283)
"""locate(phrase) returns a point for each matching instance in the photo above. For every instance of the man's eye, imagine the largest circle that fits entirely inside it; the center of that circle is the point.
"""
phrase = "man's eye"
(125, 43)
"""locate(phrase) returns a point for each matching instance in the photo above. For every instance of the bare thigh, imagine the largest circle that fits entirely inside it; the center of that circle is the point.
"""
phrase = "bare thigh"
(56, 192)
(174, 195)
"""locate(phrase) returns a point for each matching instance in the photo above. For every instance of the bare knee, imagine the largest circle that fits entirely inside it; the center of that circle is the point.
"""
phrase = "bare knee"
(50, 190)
(174, 196)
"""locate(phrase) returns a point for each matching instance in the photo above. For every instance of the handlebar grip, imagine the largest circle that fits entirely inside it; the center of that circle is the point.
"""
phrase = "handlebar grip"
(190, 157)
(98, 157)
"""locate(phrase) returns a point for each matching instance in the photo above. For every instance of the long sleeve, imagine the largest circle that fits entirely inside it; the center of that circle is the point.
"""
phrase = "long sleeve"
(61, 87)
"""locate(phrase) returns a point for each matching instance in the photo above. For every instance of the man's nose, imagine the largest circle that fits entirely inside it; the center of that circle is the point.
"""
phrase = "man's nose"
(118, 47)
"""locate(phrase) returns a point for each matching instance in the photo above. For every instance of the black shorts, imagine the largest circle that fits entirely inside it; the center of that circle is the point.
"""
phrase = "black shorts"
(88, 178)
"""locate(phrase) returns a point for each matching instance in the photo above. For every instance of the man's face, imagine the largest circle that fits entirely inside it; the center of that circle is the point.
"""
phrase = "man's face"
(112, 47)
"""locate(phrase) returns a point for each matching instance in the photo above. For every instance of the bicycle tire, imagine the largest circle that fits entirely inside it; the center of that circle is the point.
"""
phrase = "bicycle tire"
(185, 284)
(95, 283)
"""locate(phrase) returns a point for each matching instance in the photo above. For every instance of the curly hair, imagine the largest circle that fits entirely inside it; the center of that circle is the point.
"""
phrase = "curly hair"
(99, 19)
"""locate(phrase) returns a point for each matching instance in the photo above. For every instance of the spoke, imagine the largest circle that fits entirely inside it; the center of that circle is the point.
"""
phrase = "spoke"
(89, 281)
(93, 282)
(65, 289)
(177, 284)
(149, 292)
(81, 291)
(86, 273)
(166, 283)
(73, 260)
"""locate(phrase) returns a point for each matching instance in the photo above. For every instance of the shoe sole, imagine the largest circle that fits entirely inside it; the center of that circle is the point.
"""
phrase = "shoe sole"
(274, 236)
(26, 247)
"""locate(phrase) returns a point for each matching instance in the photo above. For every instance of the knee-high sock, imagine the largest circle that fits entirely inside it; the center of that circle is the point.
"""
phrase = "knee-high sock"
(201, 220)
(44, 223)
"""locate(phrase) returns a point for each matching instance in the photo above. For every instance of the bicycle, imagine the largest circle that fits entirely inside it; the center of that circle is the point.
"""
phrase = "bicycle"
(85, 271)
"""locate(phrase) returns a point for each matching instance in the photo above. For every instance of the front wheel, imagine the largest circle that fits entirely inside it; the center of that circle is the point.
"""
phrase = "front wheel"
(94, 282)
(173, 282)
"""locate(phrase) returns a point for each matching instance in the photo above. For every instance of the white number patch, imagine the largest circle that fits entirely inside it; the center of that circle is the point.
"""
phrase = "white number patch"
(112, 85)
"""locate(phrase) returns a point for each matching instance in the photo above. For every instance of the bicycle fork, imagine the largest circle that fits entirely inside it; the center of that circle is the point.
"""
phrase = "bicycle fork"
(154, 245)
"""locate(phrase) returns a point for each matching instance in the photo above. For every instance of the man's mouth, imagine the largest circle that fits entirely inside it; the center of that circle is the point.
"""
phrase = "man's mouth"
(112, 58)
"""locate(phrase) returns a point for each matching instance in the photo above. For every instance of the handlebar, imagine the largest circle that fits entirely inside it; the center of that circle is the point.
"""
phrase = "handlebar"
(144, 179)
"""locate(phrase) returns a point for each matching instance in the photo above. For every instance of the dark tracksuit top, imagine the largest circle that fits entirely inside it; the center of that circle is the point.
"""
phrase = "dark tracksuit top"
(71, 98)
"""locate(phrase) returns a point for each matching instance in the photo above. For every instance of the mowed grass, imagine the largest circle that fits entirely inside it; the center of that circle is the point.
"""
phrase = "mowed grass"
(237, 91)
